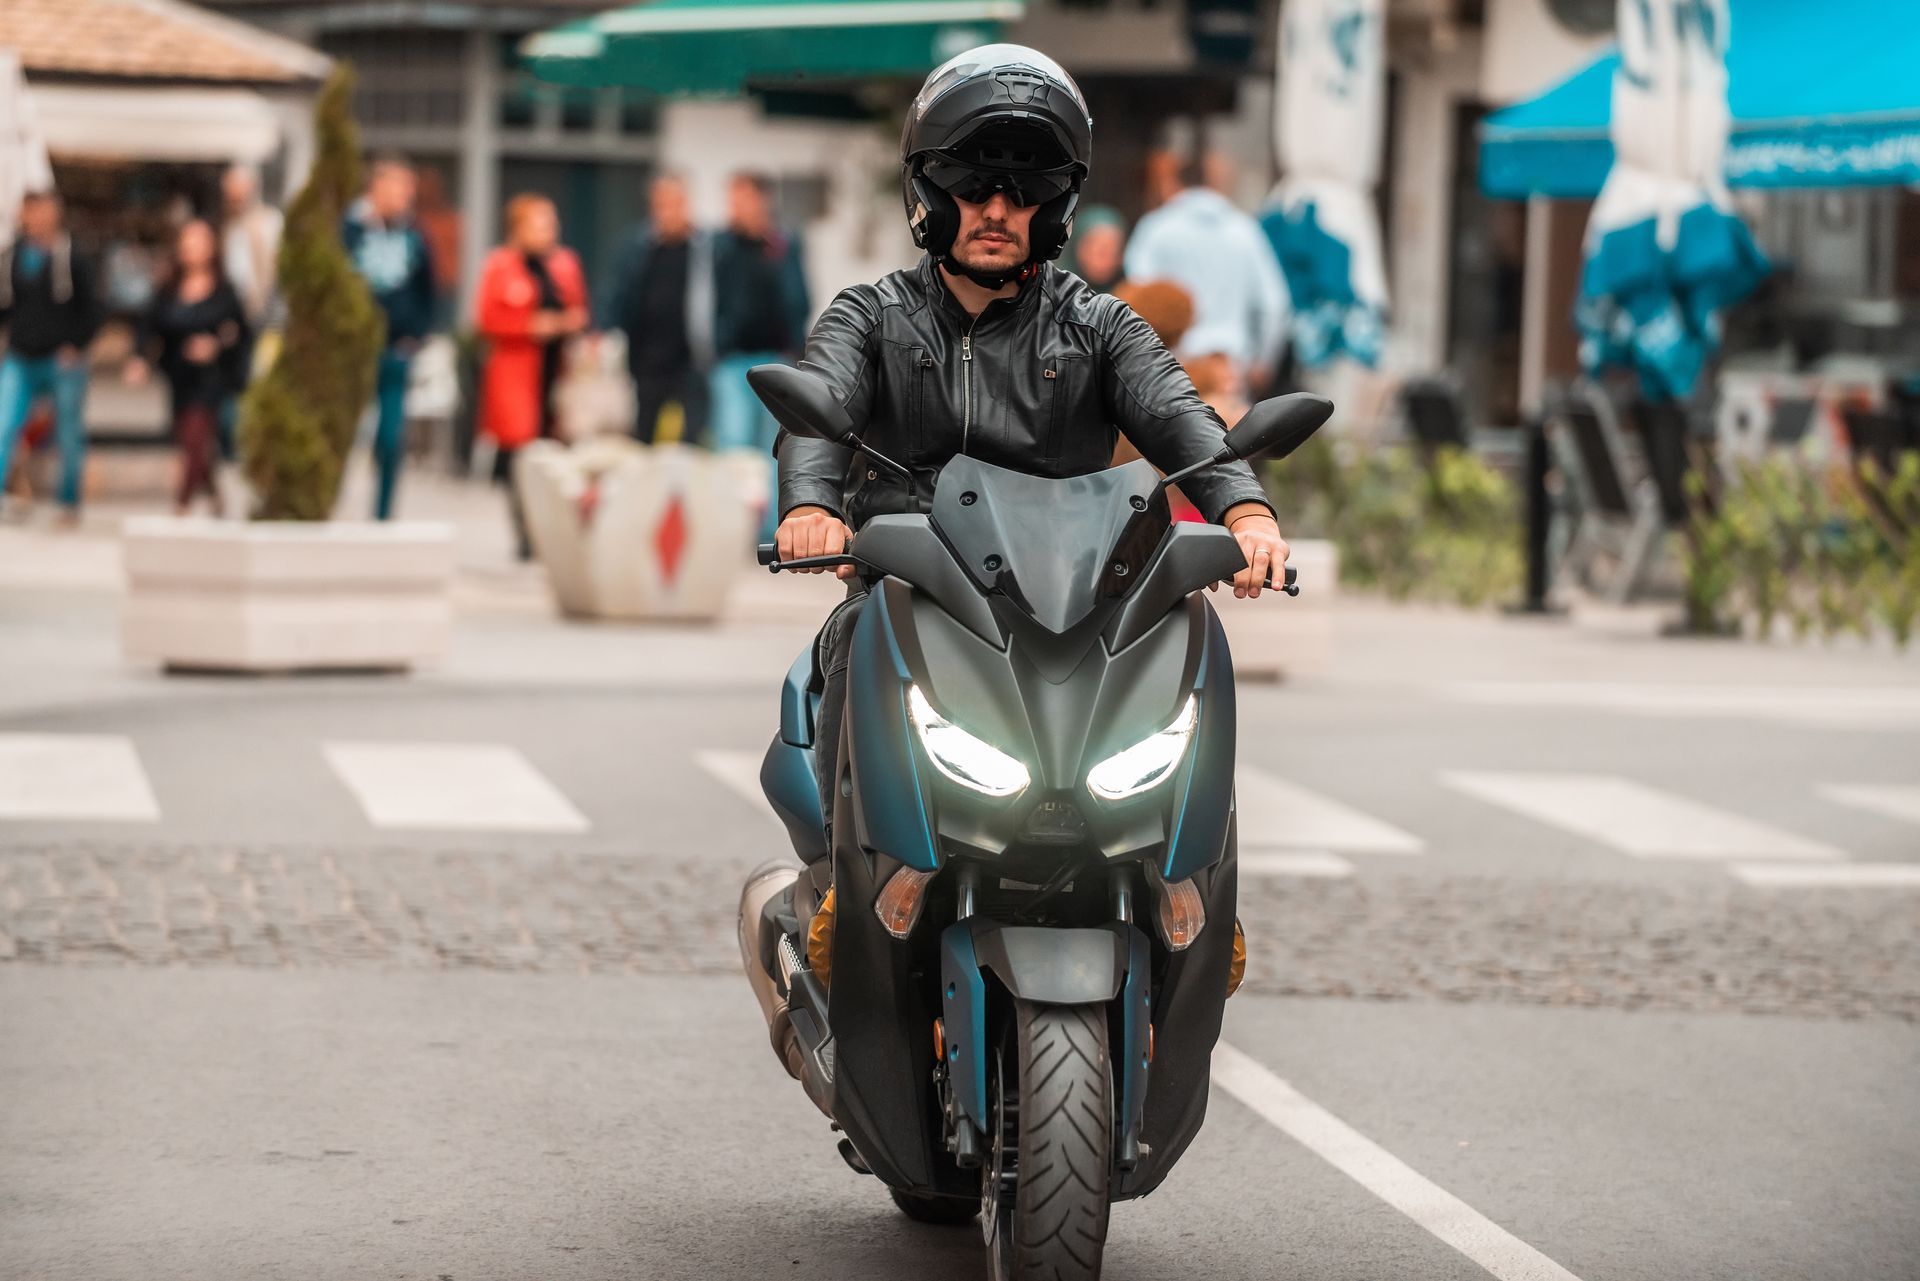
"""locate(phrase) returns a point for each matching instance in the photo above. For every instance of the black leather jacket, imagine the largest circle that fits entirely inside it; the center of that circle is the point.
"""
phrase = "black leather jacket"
(1040, 383)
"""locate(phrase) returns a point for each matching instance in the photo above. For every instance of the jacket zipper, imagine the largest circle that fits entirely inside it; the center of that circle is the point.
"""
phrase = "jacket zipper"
(966, 358)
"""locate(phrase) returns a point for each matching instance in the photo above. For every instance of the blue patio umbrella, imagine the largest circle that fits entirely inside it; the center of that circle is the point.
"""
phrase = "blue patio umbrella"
(1664, 251)
(1821, 93)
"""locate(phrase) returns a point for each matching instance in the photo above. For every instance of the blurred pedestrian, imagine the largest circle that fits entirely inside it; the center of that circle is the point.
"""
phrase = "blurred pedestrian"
(196, 331)
(391, 254)
(759, 316)
(1168, 311)
(1097, 252)
(662, 300)
(532, 297)
(1222, 258)
(250, 231)
(51, 311)
(250, 244)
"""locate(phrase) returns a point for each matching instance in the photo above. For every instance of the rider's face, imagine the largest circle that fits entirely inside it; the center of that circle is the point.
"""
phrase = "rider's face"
(992, 236)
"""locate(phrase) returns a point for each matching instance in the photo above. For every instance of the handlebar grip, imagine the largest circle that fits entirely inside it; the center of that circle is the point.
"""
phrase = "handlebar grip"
(767, 553)
(1290, 586)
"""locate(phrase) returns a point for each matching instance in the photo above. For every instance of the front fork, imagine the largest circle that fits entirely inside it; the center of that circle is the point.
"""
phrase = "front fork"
(966, 1054)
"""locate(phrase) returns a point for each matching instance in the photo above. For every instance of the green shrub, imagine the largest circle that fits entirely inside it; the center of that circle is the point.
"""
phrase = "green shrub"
(1441, 526)
(1835, 552)
(297, 423)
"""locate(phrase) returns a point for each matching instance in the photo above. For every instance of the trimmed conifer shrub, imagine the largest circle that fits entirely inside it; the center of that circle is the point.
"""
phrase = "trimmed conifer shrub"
(297, 423)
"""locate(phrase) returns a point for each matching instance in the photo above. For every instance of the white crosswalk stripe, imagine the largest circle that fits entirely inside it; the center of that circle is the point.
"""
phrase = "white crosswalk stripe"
(1895, 800)
(1847, 707)
(1275, 813)
(452, 787)
(84, 777)
(1815, 876)
(740, 772)
(1311, 863)
(1634, 818)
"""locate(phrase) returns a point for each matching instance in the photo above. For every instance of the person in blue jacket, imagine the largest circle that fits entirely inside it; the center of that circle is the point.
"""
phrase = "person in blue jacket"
(392, 256)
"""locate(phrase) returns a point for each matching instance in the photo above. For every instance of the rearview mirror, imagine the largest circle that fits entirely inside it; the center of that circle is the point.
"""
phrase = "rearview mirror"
(1277, 427)
(802, 402)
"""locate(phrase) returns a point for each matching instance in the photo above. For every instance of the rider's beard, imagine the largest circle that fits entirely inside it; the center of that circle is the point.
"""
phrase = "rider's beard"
(992, 257)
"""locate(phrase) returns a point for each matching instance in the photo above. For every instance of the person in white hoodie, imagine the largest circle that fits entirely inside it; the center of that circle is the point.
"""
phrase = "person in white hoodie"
(1202, 242)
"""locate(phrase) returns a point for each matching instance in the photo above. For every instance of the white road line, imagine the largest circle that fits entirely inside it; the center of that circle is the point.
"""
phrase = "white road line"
(452, 787)
(1821, 706)
(1895, 800)
(1446, 1216)
(1305, 863)
(95, 777)
(1273, 812)
(1634, 818)
(1814, 876)
(740, 771)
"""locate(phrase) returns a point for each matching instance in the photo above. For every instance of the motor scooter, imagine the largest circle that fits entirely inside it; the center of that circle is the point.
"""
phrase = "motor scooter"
(1032, 862)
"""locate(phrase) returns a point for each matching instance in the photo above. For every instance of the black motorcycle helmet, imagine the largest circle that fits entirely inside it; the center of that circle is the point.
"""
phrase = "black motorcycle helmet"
(1005, 118)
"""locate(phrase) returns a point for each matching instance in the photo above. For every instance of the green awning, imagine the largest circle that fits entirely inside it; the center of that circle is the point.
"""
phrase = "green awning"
(722, 46)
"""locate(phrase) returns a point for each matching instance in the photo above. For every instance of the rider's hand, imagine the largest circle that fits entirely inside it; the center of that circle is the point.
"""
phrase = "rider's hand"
(1258, 534)
(813, 531)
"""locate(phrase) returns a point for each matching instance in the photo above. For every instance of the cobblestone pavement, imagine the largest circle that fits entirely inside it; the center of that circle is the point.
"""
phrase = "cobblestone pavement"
(1850, 954)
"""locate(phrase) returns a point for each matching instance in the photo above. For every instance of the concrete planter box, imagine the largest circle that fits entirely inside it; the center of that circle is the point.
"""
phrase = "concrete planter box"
(631, 532)
(286, 596)
(1279, 636)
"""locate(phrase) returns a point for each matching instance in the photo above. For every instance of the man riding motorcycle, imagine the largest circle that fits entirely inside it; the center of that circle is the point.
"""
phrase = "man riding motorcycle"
(985, 348)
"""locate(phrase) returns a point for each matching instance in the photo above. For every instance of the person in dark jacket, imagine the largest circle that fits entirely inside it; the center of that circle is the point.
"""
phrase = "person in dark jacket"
(662, 299)
(392, 256)
(760, 310)
(196, 331)
(987, 349)
(50, 308)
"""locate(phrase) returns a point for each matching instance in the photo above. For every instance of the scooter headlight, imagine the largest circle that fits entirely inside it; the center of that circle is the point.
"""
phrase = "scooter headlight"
(1147, 762)
(965, 758)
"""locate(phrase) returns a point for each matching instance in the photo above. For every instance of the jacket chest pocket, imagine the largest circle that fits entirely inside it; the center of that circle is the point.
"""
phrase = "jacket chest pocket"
(1062, 382)
(919, 380)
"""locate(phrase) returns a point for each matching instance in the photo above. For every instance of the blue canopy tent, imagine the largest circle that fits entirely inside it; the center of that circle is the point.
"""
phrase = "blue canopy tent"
(1824, 93)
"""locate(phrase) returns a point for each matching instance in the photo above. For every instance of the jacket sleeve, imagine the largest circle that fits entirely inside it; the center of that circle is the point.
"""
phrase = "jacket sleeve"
(494, 317)
(1153, 402)
(615, 303)
(840, 350)
(426, 291)
(1275, 302)
(88, 314)
(799, 303)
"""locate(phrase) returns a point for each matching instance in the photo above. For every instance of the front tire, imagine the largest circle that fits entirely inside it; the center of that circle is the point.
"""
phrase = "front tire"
(1044, 1187)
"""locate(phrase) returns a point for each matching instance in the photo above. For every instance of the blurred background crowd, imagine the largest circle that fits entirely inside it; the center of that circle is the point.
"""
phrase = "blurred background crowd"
(579, 223)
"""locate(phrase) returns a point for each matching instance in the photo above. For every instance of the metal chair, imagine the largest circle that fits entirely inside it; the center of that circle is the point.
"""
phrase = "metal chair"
(1617, 511)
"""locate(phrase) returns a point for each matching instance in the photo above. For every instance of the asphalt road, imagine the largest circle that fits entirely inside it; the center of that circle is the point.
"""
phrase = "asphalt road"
(434, 979)
(327, 1124)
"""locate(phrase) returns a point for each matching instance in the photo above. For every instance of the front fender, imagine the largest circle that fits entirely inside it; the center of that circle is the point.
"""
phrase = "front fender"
(1049, 966)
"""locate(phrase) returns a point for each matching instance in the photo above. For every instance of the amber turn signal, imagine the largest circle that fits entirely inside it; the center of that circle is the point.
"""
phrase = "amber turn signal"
(1182, 914)
(898, 906)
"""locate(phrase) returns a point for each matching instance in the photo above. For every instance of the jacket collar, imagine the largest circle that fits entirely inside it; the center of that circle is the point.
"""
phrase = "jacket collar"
(941, 298)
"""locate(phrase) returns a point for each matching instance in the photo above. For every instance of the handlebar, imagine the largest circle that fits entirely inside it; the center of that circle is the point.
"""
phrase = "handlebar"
(768, 554)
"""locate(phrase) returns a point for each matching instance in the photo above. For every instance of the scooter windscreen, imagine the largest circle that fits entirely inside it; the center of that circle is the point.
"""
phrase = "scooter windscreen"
(1055, 548)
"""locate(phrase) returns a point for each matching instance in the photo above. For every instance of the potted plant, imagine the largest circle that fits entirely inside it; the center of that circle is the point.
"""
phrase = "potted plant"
(292, 588)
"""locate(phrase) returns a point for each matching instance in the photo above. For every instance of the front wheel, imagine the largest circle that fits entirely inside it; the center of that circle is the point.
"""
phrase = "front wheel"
(1043, 1192)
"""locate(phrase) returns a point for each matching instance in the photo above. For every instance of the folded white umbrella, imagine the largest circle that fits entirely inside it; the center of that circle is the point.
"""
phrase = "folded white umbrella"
(23, 153)
(1330, 106)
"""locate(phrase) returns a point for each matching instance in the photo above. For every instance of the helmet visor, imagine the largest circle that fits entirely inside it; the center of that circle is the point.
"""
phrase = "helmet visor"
(977, 185)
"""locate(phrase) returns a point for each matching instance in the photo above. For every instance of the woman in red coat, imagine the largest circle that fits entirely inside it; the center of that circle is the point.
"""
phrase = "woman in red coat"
(532, 297)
